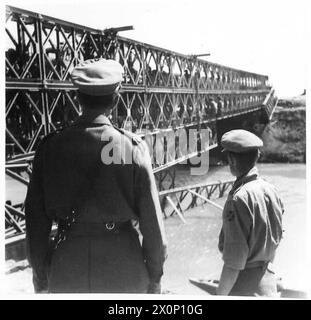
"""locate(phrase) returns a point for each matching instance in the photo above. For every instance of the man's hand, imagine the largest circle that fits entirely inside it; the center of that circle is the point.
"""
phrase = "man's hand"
(40, 285)
(154, 287)
(42, 291)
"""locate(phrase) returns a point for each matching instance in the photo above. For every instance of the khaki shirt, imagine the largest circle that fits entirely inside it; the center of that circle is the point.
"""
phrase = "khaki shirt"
(252, 222)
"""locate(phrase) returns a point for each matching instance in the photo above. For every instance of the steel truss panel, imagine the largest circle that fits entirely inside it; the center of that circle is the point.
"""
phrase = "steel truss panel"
(163, 91)
(184, 198)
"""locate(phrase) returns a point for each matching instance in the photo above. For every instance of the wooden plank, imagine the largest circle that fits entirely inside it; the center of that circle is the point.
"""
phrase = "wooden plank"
(209, 286)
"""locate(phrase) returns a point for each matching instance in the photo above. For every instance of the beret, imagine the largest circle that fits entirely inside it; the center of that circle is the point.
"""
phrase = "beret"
(97, 77)
(240, 141)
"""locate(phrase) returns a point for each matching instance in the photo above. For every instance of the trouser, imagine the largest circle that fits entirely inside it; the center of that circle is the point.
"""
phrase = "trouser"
(255, 281)
(94, 259)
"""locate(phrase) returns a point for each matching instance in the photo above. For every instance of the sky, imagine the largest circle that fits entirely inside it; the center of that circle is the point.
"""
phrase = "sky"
(267, 36)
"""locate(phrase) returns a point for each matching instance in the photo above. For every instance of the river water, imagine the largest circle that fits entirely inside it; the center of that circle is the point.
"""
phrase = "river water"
(193, 246)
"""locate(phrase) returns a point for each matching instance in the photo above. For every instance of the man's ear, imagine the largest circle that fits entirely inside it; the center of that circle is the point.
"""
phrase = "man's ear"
(230, 158)
(232, 161)
(115, 99)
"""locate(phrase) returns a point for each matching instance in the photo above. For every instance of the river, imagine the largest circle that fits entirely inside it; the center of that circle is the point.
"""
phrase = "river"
(193, 246)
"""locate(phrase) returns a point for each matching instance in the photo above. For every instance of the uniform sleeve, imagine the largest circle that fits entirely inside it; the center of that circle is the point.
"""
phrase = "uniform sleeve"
(38, 225)
(237, 221)
(282, 226)
(150, 215)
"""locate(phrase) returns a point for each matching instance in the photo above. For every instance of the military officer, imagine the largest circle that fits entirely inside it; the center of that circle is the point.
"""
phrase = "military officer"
(84, 178)
(252, 222)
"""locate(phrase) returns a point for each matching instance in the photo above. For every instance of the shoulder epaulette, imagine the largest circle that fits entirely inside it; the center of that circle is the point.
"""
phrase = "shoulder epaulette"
(234, 193)
(134, 137)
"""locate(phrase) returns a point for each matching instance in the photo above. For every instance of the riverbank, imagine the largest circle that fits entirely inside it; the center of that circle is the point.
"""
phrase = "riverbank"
(285, 136)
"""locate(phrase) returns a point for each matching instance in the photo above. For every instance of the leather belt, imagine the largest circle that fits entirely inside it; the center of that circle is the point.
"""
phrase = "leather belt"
(96, 229)
(256, 264)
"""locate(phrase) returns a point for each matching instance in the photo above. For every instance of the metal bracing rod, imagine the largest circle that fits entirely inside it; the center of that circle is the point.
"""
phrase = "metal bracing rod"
(17, 166)
(195, 191)
(13, 221)
(17, 177)
(206, 199)
(21, 157)
(15, 211)
(15, 141)
(198, 185)
(176, 209)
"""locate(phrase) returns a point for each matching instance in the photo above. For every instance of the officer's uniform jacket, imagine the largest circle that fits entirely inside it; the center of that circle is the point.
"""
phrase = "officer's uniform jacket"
(115, 262)
(252, 223)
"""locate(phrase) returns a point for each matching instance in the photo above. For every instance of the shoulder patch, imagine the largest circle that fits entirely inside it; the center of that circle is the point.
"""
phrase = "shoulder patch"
(230, 215)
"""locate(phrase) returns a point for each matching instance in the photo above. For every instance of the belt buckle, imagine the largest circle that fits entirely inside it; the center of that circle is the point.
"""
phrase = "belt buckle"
(110, 226)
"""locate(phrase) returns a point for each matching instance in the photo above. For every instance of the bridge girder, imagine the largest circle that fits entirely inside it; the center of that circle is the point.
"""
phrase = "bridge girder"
(161, 91)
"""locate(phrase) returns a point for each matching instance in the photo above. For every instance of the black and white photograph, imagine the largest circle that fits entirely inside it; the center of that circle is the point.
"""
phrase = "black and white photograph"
(155, 149)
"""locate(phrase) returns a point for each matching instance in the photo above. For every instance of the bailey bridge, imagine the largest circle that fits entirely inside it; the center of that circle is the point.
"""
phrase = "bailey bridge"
(162, 91)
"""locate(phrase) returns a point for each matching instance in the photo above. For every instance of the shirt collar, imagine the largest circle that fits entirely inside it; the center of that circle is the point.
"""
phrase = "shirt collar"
(91, 118)
(251, 175)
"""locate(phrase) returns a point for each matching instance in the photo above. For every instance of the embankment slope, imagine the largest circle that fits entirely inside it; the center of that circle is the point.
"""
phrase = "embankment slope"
(285, 136)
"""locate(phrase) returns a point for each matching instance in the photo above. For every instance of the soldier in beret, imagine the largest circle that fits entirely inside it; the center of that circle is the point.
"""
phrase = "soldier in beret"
(94, 200)
(252, 222)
